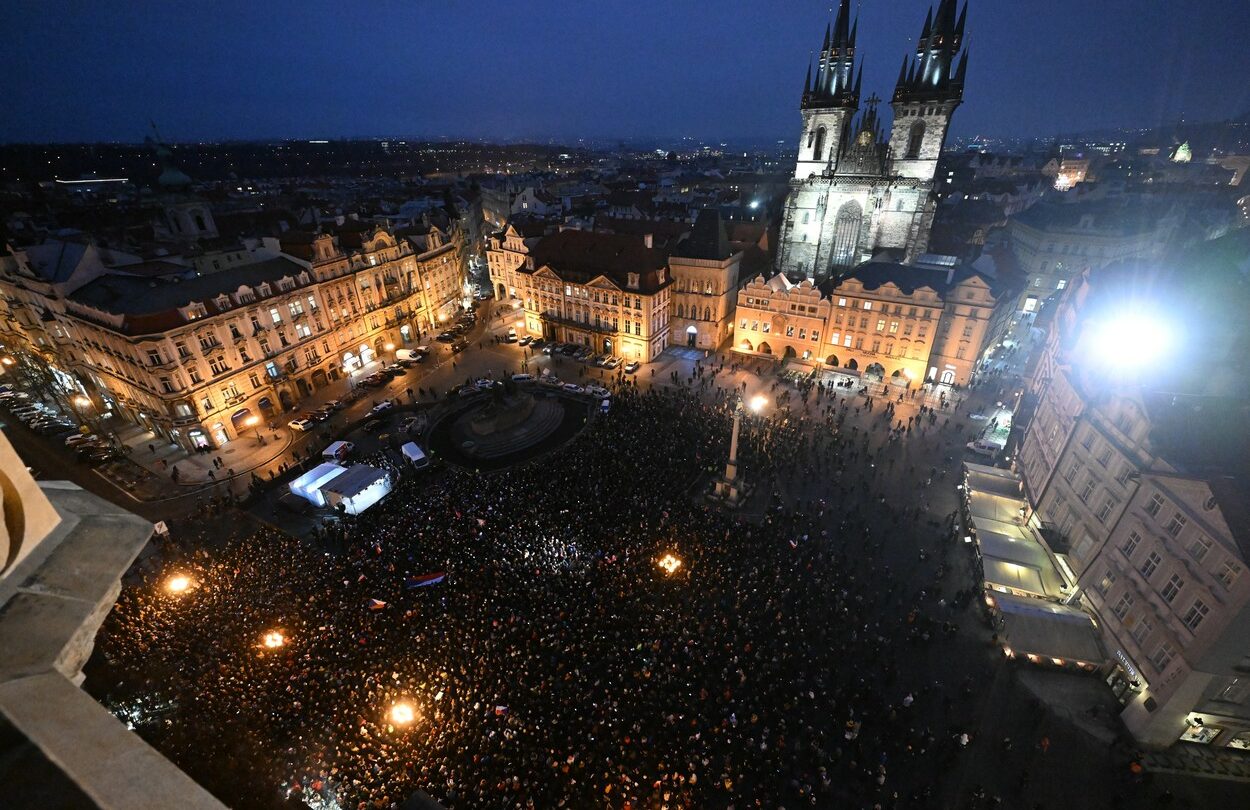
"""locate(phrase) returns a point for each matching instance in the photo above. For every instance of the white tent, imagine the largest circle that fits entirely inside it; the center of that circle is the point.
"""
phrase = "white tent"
(359, 487)
(308, 486)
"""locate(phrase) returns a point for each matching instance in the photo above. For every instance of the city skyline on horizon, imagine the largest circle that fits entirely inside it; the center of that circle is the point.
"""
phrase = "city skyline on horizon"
(237, 77)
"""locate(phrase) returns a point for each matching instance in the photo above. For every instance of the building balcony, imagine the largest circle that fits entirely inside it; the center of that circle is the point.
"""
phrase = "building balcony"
(588, 326)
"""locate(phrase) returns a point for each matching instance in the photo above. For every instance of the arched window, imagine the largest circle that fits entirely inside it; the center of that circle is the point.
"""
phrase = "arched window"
(914, 137)
(846, 234)
(681, 311)
(707, 313)
(818, 149)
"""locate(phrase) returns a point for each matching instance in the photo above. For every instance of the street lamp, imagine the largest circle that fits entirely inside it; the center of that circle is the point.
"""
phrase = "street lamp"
(178, 584)
(730, 487)
(403, 714)
(273, 639)
(254, 423)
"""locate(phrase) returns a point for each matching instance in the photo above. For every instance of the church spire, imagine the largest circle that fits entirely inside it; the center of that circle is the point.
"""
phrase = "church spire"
(807, 83)
(935, 74)
(841, 39)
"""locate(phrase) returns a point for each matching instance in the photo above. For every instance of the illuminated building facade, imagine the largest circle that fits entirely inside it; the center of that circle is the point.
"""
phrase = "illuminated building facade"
(609, 292)
(193, 358)
(905, 323)
(856, 193)
(1139, 485)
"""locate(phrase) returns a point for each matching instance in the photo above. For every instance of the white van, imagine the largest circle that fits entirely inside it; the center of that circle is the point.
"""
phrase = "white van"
(338, 451)
(983, 448)
(415, 455)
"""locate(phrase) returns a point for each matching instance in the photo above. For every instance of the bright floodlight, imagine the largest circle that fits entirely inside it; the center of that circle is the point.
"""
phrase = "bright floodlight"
(755, 203)
(178, 584)
(402, 714)
(669, 563)
(758, 402)
(1130, 340)
(274, 639)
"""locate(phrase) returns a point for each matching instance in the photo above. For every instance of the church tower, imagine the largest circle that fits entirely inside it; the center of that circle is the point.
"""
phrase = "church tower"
(930, 87)
(829, 103)
(854, 196)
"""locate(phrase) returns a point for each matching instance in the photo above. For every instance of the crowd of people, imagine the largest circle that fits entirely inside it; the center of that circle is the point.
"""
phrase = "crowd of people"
(557, 664)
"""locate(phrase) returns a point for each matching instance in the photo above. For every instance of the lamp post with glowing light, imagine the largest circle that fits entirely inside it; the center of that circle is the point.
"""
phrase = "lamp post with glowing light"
(730, 487)
(254, 423)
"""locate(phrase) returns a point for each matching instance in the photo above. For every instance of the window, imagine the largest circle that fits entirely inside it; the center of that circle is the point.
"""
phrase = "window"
(1104, 584)
(1172, 588)
(846, 341)
(302, 330)
(271, 369)
(893, 327)
(915, 137)
(275, 315)
(1142, 630)
(1122, 607)
(841, 302)
(1151, 564)
(194, 374)
(1176, 524)
(154, 357)
(867, 305)
(218, 365)
(1104, 458)
(1163, 656)
(881, 325)
(296, 308)
(1061, 283)
(789, 331)
(1086, 490)
(1123, 476)
(1104, 511)
(166, 385)
(815, 336)
(1156, 503)
(1199, 548)
(1196, 613)
(1088, 440)
(1129, 546)
(1228, 573)
(254, 379)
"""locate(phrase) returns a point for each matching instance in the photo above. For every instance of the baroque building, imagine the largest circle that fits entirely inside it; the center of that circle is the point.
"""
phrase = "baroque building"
(194, 357)
(856, 194)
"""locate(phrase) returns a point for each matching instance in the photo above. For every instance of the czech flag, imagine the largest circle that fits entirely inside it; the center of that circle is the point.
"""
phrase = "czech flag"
(425, 579)
(376, 604)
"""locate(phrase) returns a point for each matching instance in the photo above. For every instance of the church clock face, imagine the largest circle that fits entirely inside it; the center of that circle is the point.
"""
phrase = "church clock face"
(865, 138)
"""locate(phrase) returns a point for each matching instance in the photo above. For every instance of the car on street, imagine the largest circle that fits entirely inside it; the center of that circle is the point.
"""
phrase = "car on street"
(375, 425)
(522, 378)
(977, 417)
(612, 362)
(605, 405)
(96, 455)
(412, 424)
(525, 341)
(632, 366)
(336, 405)
(582, 353)
(445, 337)
(396, 369)
(548, 349)
(983, 448)
(300, 424)
(459, 346)
(573, 388)
(381, 407)
(79, 438)
(550, 381)
(598, 391)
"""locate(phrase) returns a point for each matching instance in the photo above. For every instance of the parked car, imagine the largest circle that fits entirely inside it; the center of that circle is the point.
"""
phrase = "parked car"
(381, 407)
(632, 366)
(459, 346)
(983, 448)
(79, 438)
(548, 349)
(375, 425)
(98, 455)
(573, 388)
(445, 337)
(336, 405)
(522, 378)
(300, 424)
(598, 391)
(511, 336)
(605, 405)
(612, 362)
(525, 341)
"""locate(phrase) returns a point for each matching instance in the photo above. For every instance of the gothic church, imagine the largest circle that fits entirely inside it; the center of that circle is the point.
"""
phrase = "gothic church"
(854, 194)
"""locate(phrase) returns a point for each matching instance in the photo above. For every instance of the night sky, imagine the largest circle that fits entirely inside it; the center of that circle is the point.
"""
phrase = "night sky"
(732, 69)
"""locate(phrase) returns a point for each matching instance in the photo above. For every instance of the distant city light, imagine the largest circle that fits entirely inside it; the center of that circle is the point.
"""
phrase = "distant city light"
(755, 203)
(178, 584)
(669, 563)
